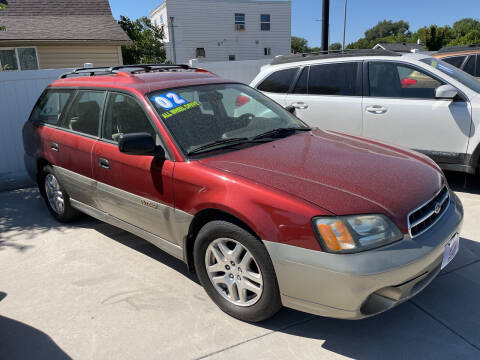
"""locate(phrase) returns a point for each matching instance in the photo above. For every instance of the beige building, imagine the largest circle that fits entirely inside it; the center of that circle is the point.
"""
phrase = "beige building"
(59, 34)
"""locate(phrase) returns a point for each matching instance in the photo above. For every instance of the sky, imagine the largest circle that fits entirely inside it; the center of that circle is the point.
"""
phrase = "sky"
(361, 14)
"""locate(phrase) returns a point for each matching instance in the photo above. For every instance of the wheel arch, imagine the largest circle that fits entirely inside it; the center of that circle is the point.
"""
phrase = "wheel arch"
(200, 219)
(475, 162)
(41, 163)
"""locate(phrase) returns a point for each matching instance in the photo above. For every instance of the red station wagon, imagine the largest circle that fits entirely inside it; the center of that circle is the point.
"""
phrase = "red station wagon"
(266, 211)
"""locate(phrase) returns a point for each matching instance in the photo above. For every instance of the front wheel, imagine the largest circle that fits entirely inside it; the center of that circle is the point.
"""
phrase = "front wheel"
(236, 271)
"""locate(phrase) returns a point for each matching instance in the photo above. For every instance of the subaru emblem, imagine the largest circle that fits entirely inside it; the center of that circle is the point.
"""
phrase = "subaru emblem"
(438, 207)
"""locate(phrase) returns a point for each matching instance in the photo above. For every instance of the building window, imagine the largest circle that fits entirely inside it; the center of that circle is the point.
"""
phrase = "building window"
(200, 52)
(161, 19)
(231, 57)
(24, 58)
(267, 51)
(239, 22)
(265, 22)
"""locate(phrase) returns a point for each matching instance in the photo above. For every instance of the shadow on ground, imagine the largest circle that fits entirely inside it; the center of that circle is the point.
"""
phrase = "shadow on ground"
(21, 341)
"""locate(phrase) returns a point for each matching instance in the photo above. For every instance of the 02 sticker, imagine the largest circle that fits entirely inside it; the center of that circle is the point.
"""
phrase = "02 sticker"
(169, 100)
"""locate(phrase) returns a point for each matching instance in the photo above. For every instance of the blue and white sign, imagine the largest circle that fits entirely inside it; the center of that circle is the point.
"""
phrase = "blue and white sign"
(169, 100)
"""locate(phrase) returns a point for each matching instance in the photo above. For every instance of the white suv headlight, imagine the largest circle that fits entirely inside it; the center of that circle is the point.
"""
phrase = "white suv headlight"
(348, 234)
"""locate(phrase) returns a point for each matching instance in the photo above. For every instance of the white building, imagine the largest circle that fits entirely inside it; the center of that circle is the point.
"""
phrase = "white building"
(222, 30)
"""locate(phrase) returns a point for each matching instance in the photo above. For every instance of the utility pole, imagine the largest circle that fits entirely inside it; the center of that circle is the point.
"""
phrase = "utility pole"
(344, 26)
(172, 39)
(325, 24)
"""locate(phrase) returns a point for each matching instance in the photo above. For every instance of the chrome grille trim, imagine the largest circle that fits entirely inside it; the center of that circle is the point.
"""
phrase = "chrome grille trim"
(426, 215)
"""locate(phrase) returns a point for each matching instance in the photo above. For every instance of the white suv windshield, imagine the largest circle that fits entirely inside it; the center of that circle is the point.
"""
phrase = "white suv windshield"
(466, 79)
(220, 114)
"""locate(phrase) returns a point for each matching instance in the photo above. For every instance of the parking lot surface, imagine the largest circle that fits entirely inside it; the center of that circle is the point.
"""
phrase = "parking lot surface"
(88, 290)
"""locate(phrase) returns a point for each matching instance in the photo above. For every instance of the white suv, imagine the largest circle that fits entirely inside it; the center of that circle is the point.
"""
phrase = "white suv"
(411, 100)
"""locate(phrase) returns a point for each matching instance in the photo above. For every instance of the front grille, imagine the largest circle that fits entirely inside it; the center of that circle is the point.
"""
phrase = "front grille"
(428, 214)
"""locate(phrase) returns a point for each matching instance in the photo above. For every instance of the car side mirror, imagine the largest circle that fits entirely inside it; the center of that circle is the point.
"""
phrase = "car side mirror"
(446, 92)
(138, 144)
(290, 109)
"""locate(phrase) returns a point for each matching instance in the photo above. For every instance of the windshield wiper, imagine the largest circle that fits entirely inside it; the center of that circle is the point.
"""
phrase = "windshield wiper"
(217, 143)
(280, 132)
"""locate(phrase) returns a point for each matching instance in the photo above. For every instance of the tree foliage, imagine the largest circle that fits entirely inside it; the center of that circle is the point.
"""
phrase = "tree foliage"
(463, 32)
(3, 5)
(147, 47)
(335, 46)
(299, 44)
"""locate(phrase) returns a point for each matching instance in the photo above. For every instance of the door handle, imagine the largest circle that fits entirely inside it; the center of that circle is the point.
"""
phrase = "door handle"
(300, 105)
(54, 146)
(103, 163)
(376, 109)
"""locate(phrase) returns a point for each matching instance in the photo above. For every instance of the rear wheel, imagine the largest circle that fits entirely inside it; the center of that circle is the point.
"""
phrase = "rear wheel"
(236, 271)
(56, 198)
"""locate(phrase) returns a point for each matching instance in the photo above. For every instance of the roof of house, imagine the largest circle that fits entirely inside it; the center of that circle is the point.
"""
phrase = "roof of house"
(400, 47)
(60, 20)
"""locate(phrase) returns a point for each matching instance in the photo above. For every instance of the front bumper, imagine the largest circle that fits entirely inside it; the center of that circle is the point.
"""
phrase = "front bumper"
(354, 286)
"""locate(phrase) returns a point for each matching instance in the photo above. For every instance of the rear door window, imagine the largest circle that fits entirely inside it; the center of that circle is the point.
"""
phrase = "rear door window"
(389, 79)
(278, 82)
(334, 79)
(50, 107)
(84, 113)
(456, 61)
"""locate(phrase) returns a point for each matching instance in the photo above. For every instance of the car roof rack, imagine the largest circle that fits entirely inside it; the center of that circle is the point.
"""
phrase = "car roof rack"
(129, 69)
(447, 49)
(318, 55)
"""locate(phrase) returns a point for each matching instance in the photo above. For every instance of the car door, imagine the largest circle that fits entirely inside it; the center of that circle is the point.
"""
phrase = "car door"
(401, 108)
(135, 189)
(278, 83)
(328, 96)
(74, 145)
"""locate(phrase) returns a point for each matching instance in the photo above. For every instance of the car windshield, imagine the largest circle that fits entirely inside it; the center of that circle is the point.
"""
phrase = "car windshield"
(209, 117)
(450, 70)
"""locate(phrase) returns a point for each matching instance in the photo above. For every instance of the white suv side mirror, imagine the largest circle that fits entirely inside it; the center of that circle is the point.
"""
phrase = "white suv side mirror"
(446, 92)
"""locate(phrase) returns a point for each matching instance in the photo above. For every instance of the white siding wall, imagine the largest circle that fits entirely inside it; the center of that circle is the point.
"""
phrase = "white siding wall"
(209, 24)
(19, 90)
(243, 71)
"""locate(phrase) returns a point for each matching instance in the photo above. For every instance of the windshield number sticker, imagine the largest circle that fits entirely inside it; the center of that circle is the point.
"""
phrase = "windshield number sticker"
(179, 109)
(169, 100)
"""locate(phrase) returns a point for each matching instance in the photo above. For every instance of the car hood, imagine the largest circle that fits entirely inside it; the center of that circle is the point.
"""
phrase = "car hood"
(339, 173)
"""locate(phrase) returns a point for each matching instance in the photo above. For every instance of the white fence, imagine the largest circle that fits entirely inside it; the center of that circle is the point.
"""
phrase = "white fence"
(243, 71)
(19, 90)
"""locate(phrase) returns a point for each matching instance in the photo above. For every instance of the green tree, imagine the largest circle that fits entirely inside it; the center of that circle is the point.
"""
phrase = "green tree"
(147, 40)
(471, 38)
(387, 28)
(335, 46)
(299, 45)
(464, 26)
(435, 37)
(3, 5)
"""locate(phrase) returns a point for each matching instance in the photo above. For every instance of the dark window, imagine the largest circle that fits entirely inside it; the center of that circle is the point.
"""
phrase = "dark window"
(231, 57)
(265, 22)
(477, 71)
(239, 22)
(388, 79)
(302, 83)
(469, 67)
(84, 113)
(18, 58)
(123, 115)
(456, 61)
(50, 106)
(279, 81)
(267, 51)
(200, 52)
(333, 79)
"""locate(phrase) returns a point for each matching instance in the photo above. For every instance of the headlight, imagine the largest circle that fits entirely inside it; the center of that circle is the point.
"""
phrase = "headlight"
(347, 234)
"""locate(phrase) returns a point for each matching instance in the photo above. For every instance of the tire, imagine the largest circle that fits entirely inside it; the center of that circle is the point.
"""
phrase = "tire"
(247, 287)
(50, 184)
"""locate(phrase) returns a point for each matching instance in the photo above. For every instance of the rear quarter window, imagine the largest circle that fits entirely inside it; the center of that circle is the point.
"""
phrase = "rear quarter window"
(456, 61)
(50, 106)
(279, 81)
